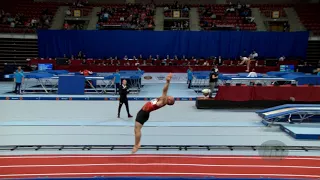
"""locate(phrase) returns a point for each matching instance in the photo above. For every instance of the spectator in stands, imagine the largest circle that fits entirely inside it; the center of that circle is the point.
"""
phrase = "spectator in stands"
(254, 55)
(18, 79)
(66, 25)
(282, 58)
(127, 63)
(286, 27)
(220, 60)
(68, 12)
(206, 63)
(80, 55)
(84, 62)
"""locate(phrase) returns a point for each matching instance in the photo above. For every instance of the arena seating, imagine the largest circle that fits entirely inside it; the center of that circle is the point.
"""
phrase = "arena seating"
(85, 10)
(267, 9)
(28, 10)
(119, 14)
(222, 20)
(309, 16)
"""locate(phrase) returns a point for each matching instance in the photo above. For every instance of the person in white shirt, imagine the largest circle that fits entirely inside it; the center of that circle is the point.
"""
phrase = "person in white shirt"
(282, 58)
(254, 55)
(252, 73)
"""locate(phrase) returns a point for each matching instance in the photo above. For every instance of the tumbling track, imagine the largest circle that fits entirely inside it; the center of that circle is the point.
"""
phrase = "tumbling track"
(158, 165)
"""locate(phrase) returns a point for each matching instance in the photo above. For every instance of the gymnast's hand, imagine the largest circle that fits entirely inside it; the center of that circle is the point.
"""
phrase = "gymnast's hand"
(169, 77)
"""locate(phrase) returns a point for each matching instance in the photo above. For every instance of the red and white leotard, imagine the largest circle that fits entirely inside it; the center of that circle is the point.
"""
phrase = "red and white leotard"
(151, 105)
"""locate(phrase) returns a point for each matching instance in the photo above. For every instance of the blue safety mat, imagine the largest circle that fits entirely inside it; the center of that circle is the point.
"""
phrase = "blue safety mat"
(288, 112)
(246, 75)
(311, 132)
(280, 74)
(286, 106)
(55, 72)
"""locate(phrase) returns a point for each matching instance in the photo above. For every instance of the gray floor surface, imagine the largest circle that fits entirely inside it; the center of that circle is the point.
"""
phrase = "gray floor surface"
(95, 123)
(234, 133)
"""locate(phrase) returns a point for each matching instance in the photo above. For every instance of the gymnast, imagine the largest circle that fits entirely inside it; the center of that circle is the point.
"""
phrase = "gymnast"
(144, 113)
(247, 61)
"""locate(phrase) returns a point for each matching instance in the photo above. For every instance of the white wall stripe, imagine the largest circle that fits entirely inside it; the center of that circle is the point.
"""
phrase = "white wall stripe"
(158, 173)
(158, 164)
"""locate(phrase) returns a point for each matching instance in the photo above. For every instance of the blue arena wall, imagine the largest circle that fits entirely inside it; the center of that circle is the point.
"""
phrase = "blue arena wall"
(228, 44)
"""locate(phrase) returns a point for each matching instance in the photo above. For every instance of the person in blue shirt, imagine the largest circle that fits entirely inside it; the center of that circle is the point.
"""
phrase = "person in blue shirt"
(190, 76)
(117, 80)
(317, 71)
(18, 79)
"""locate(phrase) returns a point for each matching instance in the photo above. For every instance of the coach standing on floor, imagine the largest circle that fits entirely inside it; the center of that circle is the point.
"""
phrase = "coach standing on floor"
(117, 80)
(213, 79)
(123, 91)
(18, 79)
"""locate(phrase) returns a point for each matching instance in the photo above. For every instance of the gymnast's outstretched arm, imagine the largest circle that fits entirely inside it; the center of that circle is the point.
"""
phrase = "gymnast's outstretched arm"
(166, 86)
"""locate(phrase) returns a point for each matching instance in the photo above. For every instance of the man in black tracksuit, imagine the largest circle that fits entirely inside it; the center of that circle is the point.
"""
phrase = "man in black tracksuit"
(213, 80)
(123, 91)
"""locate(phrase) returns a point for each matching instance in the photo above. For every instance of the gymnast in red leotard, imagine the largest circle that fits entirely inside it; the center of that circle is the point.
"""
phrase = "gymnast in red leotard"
(144, 113)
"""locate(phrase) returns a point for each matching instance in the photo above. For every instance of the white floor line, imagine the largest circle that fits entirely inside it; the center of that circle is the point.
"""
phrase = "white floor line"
(157, 164)
(158, 173)
(150, 156)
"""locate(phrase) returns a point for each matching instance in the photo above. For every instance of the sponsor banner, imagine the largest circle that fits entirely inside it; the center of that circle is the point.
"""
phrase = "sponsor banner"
(161, 78)
(90, 98)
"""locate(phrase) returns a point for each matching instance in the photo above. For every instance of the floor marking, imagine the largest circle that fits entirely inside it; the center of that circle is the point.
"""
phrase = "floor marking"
(151, 156)
(158, 164)
(157, 173)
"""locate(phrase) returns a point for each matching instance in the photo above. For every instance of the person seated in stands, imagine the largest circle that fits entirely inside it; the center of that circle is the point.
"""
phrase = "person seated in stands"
(144, 62)
(118, 63)
(86, 72)
(206, 63)
(176, 57)
(254, 55)
(140, 57)
(155, 59)
(80, 55)
(184, 57)
(197, 63)
(165, 60)
(134, 58)
(252, 73)
(127, 63)
(282, 58)
(84, 61)
(125, 58)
